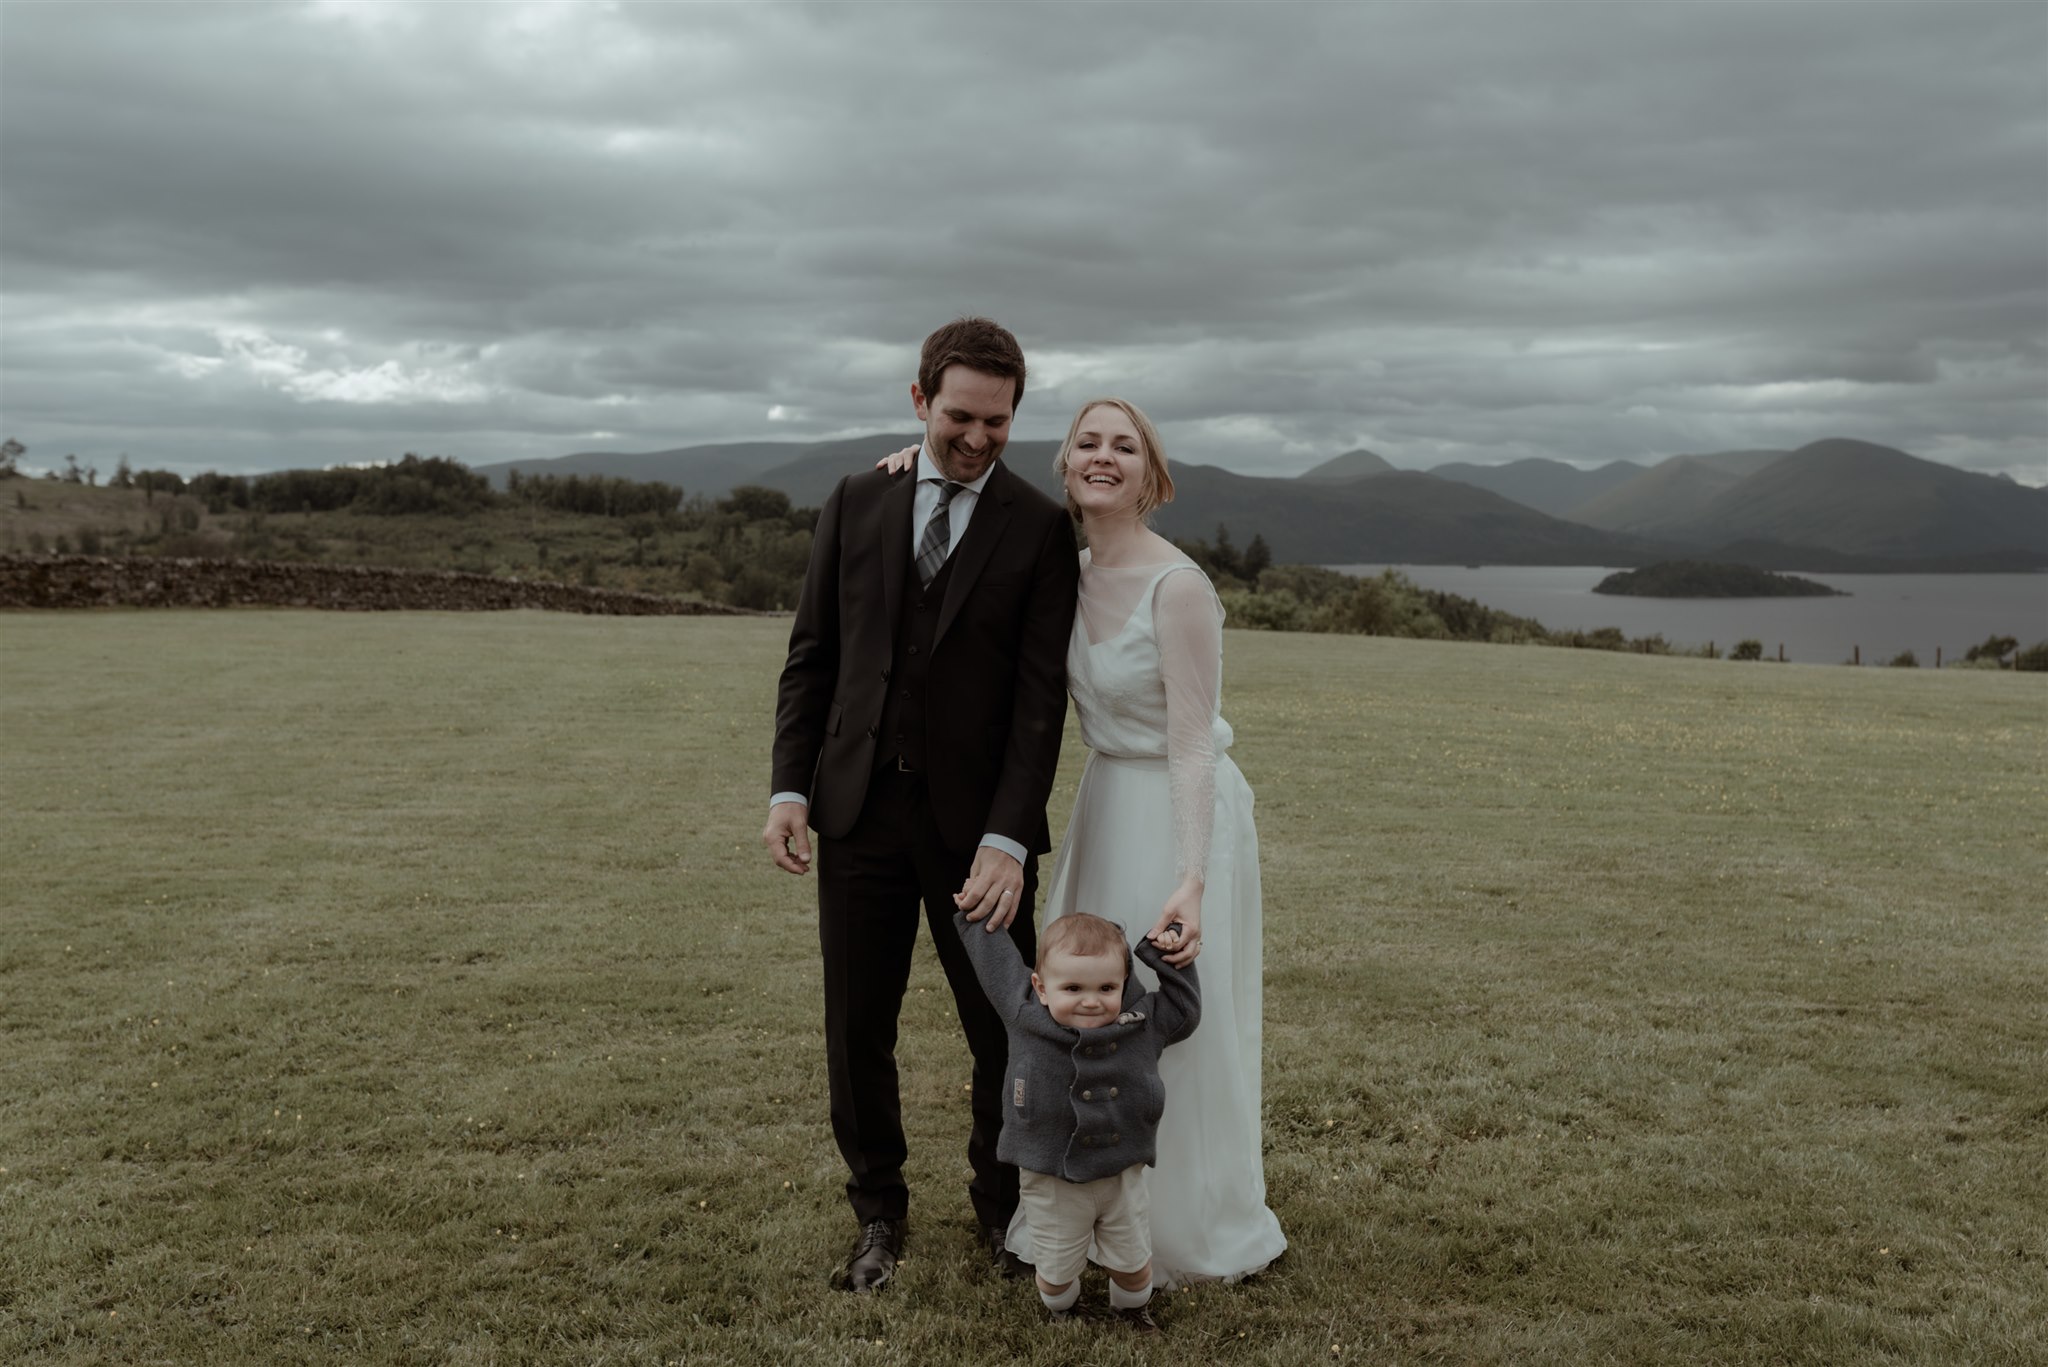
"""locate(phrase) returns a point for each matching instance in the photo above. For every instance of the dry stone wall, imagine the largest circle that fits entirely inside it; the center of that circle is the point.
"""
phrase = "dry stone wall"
(87, 581)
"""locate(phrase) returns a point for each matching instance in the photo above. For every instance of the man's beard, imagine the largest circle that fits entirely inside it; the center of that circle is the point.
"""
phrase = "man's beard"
(957, 465)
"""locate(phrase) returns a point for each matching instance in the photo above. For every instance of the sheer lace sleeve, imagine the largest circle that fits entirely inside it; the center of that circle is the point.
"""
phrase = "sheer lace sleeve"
(1189, 624)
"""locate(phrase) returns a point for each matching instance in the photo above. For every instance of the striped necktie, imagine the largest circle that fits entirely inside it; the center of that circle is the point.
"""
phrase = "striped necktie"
(938, 533)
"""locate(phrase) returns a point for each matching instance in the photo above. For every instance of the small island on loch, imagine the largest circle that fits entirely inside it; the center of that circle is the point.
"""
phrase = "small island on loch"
(1708, 579)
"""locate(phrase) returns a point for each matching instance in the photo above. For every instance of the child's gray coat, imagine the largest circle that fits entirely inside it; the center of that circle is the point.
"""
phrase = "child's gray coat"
(1082, 1104)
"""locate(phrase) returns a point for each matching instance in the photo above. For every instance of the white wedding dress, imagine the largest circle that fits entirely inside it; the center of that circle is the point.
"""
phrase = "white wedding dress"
(1161, 796)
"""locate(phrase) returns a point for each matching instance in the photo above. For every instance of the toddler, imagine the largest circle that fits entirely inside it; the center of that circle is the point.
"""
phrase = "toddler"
(1083, 1099)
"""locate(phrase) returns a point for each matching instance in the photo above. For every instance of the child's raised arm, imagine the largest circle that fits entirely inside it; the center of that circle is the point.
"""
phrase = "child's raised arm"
(1004, 975)
(1177, 1005)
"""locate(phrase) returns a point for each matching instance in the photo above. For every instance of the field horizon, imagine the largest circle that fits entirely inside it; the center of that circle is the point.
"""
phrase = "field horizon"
(413, 987)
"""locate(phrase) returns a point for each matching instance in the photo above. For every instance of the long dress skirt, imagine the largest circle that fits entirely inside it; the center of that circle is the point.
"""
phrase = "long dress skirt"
(1209, 1215)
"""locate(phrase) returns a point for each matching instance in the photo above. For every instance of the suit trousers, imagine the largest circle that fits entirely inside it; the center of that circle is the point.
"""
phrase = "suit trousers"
(870, 882)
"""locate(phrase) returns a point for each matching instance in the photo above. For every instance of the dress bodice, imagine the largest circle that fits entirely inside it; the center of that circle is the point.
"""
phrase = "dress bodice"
(1145, 666)
(1119, 674)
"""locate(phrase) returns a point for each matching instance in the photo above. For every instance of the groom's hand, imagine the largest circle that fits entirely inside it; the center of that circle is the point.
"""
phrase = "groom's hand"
(994, 887)
(788, 836)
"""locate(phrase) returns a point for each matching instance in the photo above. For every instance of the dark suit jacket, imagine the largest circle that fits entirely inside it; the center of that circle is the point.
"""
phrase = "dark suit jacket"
(998, 667)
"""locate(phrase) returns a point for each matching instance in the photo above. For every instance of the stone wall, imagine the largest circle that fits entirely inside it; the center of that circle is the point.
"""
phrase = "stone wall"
(86, 581)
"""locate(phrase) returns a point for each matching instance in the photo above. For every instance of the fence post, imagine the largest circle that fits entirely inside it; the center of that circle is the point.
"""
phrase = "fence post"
(1781, 652)
(1937, 657)
(1855, 655)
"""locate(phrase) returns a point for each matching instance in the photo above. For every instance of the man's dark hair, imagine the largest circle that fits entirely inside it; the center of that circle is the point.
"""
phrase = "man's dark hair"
(977, 343)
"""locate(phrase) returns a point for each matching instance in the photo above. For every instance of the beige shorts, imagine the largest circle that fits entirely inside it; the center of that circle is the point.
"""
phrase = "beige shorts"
(1115, 1213)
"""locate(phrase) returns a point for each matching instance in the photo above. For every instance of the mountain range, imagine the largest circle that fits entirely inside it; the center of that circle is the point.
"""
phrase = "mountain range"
(1834, 504)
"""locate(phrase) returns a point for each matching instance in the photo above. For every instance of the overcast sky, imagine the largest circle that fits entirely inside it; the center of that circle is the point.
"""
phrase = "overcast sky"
(254, 236)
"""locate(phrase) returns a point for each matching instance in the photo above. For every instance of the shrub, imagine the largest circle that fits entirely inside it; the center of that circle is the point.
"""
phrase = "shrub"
(754, 587)
(1905, 659)
(1747, 650)
(1279, 610)
(89, 541)
(2034, 658)
(1994, 648)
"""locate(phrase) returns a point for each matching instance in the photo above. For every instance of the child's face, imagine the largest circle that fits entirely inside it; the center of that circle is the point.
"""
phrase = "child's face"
(1081, 991)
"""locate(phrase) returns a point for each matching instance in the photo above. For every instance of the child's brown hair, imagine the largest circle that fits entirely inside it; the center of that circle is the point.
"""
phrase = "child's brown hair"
(1080, 933)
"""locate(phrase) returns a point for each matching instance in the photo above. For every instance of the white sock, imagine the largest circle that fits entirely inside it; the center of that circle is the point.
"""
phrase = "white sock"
(1063, 1302)
(1121, 1299)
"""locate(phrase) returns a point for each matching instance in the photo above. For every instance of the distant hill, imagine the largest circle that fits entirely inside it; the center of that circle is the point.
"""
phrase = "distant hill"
(1403, 517)
(1396, 517)
(1548, 486)
(1863, 499)
(1671, 491)
(1836, 505)
(1359, 464)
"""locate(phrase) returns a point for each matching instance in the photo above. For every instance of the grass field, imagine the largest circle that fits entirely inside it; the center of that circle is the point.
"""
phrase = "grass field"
(413, 988)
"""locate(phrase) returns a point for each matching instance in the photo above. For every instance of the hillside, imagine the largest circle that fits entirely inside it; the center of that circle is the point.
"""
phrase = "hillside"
(1670, 491)
(1863, 499)
(1359, 464)
(1548, 486)
(1879, 507)
(1658, 499)
(1404, 517)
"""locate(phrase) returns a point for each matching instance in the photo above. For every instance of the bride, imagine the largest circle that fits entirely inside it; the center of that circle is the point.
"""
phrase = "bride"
(1163, 820)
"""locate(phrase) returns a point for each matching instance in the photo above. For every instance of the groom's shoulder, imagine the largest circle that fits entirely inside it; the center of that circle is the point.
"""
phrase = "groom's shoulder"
(868, 484)
(1022, 493)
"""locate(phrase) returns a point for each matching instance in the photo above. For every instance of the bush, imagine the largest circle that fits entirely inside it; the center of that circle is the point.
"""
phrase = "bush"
(2034, 658)
(1994, 648)
(1276, 611)
(1747, 650)
(754, 587)
(1905, 659)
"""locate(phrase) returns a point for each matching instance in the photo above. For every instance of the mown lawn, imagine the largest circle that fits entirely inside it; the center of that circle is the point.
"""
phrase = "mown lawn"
(413, 988)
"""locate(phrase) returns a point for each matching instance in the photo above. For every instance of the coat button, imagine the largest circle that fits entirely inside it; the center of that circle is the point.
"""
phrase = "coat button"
(874, 731)
(1112, 1047)
(1087, 1096)
(1112, 1093)
(885, 676)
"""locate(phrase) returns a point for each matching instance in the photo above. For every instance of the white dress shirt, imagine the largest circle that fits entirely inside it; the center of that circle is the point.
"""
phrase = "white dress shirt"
(958, 511)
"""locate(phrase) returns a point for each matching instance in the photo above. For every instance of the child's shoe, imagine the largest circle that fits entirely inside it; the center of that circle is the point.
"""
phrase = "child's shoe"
(1139, 1317)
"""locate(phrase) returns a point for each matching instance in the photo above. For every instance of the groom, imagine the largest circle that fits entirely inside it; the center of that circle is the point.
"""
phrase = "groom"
(916, 729)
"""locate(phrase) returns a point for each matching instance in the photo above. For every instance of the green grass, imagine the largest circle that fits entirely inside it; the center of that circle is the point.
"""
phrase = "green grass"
(413, 988)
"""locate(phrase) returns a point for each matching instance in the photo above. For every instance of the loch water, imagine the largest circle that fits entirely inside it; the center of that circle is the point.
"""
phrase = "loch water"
(1883, 614)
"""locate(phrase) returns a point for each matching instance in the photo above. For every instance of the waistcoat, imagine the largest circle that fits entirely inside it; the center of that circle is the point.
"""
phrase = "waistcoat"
(903, 729)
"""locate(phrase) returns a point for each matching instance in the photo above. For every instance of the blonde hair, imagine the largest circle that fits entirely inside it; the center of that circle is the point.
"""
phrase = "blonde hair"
(1082, 934)
(1158, 484)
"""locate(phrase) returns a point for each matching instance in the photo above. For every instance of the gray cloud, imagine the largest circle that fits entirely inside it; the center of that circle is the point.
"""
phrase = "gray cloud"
(248, 236)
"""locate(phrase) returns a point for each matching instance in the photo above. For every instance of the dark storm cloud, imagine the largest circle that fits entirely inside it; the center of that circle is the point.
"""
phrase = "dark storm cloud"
(250, 236)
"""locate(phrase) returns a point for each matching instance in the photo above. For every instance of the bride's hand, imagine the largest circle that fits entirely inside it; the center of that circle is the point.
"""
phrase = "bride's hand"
(1185, 906)
(899, 461)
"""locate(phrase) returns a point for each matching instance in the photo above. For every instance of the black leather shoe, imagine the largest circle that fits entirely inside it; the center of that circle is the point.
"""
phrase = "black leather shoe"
(1007, 1264)
(874, 1257)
